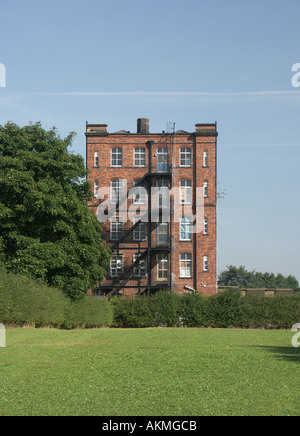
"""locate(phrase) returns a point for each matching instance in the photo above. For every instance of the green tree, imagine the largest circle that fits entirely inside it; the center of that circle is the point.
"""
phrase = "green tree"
(272, 281)
(239, 276)
(234, 276)
(259, 280)
(291, 282)
(280, 281)
(47, 231)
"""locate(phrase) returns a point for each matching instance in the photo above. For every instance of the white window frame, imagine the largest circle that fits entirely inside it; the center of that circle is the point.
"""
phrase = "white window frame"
(185, 229)
(96, 159)
(205, 159)
(185, 260)
(163, 194)
(205, 263)
(139, 157)
(116, 191)
(96, 188)
(140, 270)
(116, 230)
(162, 267)
(163, 233)
(205, 227)
(140, 194)
(116, 157)
(205, 189)
(185, 192)
(116, 265)
(162, 152)
(140, 231)
(185, 157)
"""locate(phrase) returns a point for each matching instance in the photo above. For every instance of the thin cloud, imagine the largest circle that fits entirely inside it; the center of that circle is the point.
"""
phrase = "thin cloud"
(238, 94)
(259, 145)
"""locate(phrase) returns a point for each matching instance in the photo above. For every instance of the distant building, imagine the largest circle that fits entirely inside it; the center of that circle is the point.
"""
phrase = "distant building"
(154, 240)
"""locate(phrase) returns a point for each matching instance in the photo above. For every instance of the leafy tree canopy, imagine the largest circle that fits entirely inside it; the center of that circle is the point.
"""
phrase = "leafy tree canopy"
(239, 276)
(47, 231)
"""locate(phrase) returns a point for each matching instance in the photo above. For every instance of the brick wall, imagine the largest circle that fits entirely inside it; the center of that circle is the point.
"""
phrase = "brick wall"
(203, 140)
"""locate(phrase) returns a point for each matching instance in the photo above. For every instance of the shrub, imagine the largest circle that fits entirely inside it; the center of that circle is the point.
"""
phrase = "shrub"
(226, 309)
(6, 300)
(136, 313)
(24, 301)
(167, 305)
(284, 312)
(159, 309)
(195, 310)
(256, 311)
(88, 312)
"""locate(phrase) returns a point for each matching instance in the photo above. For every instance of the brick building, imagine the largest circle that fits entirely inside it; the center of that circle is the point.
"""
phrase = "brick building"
(155, 194)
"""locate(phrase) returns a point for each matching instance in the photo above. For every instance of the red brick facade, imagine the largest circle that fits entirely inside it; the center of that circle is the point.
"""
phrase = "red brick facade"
(172, 256)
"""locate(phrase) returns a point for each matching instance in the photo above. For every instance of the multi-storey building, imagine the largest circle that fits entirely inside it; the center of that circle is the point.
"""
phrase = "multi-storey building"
(155, 194)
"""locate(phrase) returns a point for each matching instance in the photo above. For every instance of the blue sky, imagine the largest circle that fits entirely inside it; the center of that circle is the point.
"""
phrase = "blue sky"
(72, 61)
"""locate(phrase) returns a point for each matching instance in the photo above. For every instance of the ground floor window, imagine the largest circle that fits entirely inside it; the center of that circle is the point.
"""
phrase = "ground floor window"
(116, 265)
(186, 265)
(140, 270)
(162, 266)
(205, 263)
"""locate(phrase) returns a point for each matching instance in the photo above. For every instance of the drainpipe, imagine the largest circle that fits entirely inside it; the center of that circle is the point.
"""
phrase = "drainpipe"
(149, 185)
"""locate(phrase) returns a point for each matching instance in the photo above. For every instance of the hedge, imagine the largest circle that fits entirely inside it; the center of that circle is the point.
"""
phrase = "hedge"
(23, 302)
(135, 313)
(228, 309)
(26, 302)
(88, 312)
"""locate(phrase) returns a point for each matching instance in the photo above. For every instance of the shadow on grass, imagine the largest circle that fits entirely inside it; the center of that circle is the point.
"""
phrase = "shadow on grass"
(289, 354)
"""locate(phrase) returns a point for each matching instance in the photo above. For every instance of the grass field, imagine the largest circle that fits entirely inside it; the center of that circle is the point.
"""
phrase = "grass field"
(151, 372)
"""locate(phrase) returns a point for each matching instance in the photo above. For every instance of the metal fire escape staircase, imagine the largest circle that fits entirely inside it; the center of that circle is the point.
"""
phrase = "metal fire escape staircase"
(120, 282)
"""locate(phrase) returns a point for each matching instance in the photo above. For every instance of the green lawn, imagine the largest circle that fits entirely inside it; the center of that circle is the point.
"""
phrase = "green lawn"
(162, 372)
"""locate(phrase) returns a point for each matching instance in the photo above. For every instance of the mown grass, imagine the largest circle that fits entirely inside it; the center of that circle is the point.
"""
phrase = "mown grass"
(149, 372)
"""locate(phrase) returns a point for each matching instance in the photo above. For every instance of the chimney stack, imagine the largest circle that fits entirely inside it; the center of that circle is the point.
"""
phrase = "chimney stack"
(143, 126)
